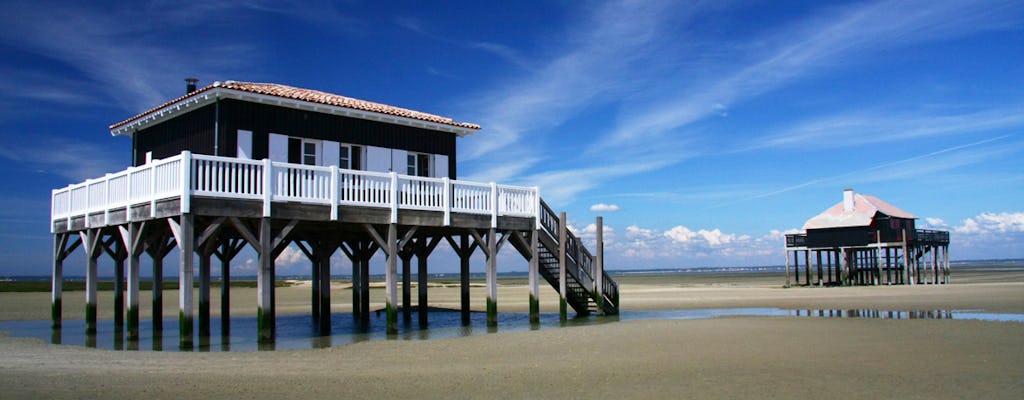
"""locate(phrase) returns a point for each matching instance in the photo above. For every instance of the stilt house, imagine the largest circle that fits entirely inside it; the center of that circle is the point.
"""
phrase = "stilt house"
(265, 165)
(863, 240)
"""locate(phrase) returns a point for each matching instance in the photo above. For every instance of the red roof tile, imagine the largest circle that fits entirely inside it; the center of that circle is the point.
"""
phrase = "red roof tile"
(308, 95)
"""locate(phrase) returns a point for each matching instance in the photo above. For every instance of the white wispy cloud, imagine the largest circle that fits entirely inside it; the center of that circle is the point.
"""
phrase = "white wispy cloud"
(116, 50)
(64, 157)
(602, 207)
(936, 161)
(648, 65)
(875, 127)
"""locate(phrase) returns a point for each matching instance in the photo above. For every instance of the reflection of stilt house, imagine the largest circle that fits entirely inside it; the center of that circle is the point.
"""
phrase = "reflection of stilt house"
(238, 164)
(866, 241)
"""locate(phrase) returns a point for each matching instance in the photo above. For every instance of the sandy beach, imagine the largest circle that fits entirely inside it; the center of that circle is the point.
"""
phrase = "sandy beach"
(735, 357)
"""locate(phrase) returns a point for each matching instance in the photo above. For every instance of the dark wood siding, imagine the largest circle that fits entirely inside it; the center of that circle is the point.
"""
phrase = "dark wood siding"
(890, 229)
(263, 119)
(192, 131)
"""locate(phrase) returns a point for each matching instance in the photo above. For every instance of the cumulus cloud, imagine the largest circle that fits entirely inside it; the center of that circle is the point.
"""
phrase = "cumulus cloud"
(1005, 222)
(714, 237)
(935, 223)
(601, 207)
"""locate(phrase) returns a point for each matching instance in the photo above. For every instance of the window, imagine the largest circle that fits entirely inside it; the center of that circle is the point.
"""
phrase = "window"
(344, 157)
(310, 153)
(419, 164)
(411, 160)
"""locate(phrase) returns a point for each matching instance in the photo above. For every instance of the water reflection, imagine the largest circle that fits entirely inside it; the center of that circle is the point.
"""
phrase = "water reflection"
(299, 331)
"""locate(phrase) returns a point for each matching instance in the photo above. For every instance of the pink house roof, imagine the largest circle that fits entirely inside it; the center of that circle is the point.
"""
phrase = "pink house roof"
(864, 209)
(293, 94)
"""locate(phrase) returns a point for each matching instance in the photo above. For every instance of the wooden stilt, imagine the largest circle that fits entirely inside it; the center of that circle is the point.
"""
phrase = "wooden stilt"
(265, 318)
(599, 266)
(324, 255)
(184, 235)
(464, 249)
(229, 248)
(91, 238)
(492, 278)
(534, 271)
(132, 236)
(61, 251)
(807, 267)
(563, 307)
(817, 257)
(787, 268)
(117, 252)
(204, 294)
(423, 250)
(406, 257)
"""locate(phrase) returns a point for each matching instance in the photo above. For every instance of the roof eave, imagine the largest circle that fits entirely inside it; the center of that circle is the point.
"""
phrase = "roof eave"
(214, 92)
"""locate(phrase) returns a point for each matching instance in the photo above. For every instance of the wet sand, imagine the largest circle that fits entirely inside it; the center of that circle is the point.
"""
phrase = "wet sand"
(740, 357)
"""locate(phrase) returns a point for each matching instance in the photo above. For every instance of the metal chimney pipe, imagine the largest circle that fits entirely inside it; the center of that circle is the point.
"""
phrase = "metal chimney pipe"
(190, 85)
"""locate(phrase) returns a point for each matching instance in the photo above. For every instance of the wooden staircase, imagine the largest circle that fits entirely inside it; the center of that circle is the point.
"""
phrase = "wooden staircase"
(581, 291)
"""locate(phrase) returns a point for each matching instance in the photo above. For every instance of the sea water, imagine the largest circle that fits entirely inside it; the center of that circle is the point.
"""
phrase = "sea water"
(295, 332)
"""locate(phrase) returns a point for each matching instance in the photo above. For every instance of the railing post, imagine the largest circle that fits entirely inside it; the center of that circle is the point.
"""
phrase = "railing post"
(494, 205)
(152, 189)
(86, 219)
(599, 266)
(536, 206)
(447, 200)
(186, 181)
(334, 193)
(562, 239)
(394, 197)
(267, 182)
(128, 196)
(106, 199)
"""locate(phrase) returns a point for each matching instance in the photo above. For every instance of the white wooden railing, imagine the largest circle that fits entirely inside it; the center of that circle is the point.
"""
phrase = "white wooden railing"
(187, 175)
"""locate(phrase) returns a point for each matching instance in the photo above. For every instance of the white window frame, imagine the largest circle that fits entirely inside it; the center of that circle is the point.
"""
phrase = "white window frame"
(317, 151)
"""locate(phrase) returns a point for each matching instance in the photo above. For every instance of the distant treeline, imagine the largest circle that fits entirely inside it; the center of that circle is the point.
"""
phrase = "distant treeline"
(74, 286)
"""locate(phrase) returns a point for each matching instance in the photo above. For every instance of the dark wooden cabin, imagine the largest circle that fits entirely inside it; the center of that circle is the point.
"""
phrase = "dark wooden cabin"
(863, 240)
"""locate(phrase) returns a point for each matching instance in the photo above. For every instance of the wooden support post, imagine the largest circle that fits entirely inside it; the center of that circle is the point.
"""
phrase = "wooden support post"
(599, 267)
(324, 255)
(787, 267)
(406, 256)
(351, 251)
(61, 251)
(563, 306)
(533, 276)
(118, 254)
(421, 283)
(464, 249)
(265, 317)
(391, 278)
(492, 278)
(57, 280)
(204, 294)
(314, 300)
(91, 237)
(423, 250)
(364, 280)
(907, 279)
(807, 266)
(228, 249)
(184, 234)
(156, 254)
(817, 259)
(796, 265)
(132, 236)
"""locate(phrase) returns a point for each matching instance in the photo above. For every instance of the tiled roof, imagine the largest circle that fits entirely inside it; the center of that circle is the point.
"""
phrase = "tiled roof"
(307, 95)
(864, 209)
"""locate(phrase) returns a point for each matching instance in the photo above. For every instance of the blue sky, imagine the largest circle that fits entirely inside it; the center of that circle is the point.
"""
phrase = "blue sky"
(701, 131)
